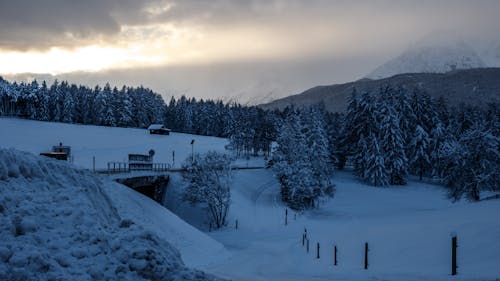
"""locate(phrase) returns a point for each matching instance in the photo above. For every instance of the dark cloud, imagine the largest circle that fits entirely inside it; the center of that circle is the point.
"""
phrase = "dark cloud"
(40, 24)
(332, 40)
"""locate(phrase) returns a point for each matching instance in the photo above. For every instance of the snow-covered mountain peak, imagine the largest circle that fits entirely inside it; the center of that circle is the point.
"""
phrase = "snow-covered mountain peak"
(431, 56)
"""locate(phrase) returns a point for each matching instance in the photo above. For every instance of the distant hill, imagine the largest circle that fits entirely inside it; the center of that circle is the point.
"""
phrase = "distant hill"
(477, 86)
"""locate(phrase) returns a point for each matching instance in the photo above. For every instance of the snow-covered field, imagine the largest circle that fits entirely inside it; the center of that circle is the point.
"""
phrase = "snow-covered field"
(408, 228)
(106, 144)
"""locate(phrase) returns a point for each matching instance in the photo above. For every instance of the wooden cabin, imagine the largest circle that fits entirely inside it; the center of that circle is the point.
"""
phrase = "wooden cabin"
(158, 129)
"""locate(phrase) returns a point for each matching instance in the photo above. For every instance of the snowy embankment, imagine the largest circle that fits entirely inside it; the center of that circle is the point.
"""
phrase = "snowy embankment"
(61, 223)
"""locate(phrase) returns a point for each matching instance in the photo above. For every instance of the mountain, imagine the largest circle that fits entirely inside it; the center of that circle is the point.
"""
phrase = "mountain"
(477, 86)
(434, 57)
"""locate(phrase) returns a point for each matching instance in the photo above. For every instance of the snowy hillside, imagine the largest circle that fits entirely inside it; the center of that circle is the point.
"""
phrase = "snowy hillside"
(59, 223)
(430, 58)
(105, 143)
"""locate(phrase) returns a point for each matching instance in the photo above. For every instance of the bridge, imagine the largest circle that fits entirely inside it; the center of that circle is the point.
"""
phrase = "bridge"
(153, 186)
(152, 183)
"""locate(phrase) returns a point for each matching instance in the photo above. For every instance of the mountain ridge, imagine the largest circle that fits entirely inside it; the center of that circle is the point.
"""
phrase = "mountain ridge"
(477, 86)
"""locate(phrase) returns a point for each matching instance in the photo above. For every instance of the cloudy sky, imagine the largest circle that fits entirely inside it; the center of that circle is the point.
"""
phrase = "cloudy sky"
(243, 49)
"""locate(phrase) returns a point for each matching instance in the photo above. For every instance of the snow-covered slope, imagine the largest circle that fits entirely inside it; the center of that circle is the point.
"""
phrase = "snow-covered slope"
(430, 58)
(61, 223)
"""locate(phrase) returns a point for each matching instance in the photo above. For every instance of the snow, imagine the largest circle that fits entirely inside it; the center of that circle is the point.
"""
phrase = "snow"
(61, 223)
(54, 218)
(430, 57)
(107, 144)
(408, 229)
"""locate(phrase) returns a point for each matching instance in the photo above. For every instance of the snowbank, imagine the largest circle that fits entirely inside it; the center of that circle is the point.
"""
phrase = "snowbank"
(59, 223)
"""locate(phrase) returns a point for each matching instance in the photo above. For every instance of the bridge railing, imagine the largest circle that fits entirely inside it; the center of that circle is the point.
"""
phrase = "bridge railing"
(124, 167)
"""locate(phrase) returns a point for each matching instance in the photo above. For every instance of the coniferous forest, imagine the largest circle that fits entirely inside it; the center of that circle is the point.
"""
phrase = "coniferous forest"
(385, 136)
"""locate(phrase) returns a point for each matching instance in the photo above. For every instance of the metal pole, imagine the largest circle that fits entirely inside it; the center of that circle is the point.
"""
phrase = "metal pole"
(93, 163)
(307, 245)
(317, 250)
(286, 216)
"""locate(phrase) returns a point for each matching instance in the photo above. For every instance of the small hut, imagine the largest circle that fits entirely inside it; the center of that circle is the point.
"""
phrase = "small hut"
(158, 129)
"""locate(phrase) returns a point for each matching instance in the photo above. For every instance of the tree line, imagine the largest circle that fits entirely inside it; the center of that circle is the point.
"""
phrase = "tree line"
(249, 128)
(385, 135)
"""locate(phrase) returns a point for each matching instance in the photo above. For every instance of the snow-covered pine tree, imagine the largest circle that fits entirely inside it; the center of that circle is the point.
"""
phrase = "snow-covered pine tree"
(360, 157)
(392, 145)
(375, 171)
(318, 150)
(407, 119)
(125, 112)
(348, 139)
(419, 152)
(439, 135)
(68, 109)
(43, 99)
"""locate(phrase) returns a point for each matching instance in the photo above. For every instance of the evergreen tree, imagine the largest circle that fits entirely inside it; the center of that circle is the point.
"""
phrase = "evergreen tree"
(392, 145)
(375, 172)
(419, 157)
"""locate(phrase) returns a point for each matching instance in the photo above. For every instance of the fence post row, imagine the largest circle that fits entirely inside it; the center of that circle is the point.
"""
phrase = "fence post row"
(454, 246)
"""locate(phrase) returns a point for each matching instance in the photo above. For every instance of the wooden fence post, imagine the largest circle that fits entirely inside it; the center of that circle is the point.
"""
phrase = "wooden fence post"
(307, 246)
(366, 255)
(303, 239)
(286, 216)
(317, 250)
(334, 255)
(93, 163)
(236, 225)
(454, 255)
